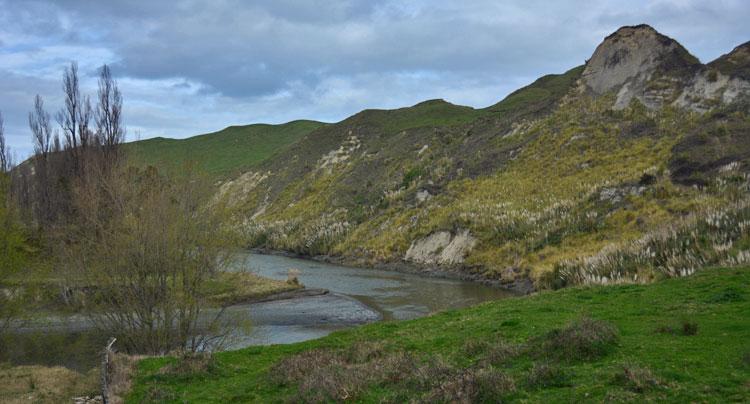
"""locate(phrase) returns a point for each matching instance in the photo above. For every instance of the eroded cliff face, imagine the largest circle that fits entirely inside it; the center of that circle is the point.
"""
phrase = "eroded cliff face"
(441, 248)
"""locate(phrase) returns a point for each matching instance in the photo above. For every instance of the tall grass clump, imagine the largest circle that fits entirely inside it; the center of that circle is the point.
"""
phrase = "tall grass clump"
(713, 237)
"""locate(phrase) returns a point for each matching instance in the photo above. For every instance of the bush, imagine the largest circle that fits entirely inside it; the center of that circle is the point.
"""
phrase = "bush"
(323, 375)
(686, 328)
(484, 385)
(637, 379)
(501, 352)
(746, 359)
(474, 347)
(543, 375)
(190, 364)
(583, 339)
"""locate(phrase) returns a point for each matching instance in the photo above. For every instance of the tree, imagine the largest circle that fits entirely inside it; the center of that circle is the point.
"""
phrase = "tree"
(4, 149)
(146, 242)
(41, 130)
(74, 117)
(45, 198)
(109, 114)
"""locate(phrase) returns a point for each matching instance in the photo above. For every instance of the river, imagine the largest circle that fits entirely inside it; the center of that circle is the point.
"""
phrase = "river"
(357, 296)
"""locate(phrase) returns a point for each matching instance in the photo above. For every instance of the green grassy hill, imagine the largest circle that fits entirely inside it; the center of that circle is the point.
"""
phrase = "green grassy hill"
(678, 340)
(224, 153)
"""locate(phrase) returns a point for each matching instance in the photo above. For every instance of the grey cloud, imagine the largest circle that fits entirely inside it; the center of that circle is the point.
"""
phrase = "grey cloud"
(190, 66)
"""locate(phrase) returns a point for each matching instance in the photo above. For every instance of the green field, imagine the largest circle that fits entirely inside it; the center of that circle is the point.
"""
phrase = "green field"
(678, 340)
(224, 153)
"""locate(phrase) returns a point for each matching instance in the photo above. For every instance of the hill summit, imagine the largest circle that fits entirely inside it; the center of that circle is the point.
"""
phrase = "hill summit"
(637, 62)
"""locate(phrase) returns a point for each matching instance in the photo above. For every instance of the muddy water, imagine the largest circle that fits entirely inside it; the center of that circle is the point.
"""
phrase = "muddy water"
(358, 296)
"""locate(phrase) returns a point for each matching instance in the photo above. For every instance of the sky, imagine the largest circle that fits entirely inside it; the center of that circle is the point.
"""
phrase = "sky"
(187, 67)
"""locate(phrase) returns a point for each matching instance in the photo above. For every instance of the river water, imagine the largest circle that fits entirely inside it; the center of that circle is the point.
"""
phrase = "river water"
(357, 296)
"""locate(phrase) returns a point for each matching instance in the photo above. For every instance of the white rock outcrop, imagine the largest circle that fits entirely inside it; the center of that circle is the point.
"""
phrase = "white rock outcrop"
(441, 248)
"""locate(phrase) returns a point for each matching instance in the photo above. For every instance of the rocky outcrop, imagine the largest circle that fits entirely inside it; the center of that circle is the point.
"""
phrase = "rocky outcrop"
(441, 248)
(640, 63)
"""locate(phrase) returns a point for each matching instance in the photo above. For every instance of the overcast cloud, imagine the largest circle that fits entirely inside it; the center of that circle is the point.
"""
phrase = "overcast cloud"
(189, 67)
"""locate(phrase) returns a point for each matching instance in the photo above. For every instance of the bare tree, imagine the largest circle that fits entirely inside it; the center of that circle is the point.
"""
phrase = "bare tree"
(41, 130)
(85, 135)
(148, 242)
(69, 115)
(41, 184)
(4, 149)
(109, 113)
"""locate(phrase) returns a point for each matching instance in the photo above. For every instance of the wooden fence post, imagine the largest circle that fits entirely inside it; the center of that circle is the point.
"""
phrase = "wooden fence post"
(105, 370)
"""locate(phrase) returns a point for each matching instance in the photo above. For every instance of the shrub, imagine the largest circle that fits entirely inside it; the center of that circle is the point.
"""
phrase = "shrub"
(323, 375)
(474, 347)
(469, 386)
(686, 328)
(295, 368)
(190, 364)
(637, 379)
(543, 375)
(501, 352)
(583, 339)
(746, 359)
(689, 328)
(160, 395)
(729, 295)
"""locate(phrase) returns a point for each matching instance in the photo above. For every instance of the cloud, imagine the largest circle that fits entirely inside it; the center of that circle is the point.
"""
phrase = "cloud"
(187, 67)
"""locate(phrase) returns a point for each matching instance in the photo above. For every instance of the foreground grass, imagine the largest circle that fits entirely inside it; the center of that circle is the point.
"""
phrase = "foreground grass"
(679, 340)
(39, 384)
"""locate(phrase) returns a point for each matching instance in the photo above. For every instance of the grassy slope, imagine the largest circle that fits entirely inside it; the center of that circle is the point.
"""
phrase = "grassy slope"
(223, 153)
(712, 366)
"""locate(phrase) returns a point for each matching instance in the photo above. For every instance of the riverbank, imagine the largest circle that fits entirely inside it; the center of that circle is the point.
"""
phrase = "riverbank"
(520, 285)
(678, 340)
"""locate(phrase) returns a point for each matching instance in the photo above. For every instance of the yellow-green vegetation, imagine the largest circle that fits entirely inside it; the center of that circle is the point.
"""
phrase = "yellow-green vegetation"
(39, 384)
(676, 340)
(224, 153)
(228, 288)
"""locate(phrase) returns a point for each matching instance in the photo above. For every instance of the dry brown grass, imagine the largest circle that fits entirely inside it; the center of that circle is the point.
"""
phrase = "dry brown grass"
(122, 369)
(637, 379)
(230, 288)
(39, 384)
(325, 375)
(471, 386)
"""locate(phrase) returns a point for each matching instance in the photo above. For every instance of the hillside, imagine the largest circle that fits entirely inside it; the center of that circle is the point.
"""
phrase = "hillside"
(633, 343)
(224, 153)
(642, 140)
